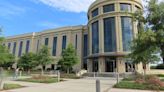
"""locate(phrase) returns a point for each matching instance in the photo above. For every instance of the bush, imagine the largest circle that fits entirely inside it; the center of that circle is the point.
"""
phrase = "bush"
(160, 66)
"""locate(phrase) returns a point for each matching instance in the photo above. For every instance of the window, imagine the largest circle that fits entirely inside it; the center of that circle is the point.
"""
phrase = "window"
(37, 45)
(64, 42)
(27, 46)
(76, 42)
(127, 35)
(125, 7)
(85, 45)
(109, 35)
(14, 48)
(46, 41)
(54, 46)
(9, 46)
(95, 12)
(20, 49)
(85, 49)
(108, 8)
(95, 37)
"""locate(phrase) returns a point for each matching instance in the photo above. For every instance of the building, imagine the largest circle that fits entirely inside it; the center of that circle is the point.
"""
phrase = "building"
(101, 45)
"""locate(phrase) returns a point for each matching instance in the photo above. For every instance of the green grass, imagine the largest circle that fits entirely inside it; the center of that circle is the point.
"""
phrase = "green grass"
(45, 80)
(160, 75)
(132, 85)
(11, 86)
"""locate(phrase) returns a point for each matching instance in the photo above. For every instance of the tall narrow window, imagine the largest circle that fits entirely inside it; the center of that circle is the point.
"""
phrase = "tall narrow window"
(125, 7)
(95, 12)
(37, 45)
(54, 46)
(46, 41)
(108, 8)
(20, 49)
(9, 46)
(64, 42)
(76, 42)
(27, 46)
(127, 34)
(109, 35)
(14, 48)
(85, 49)
(95, 37)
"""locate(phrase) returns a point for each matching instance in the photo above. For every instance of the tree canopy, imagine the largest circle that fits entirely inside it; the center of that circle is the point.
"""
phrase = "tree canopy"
(69, 58)
(27, 61)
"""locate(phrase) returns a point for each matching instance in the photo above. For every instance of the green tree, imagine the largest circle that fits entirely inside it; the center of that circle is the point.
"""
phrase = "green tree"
(27, 61)
(154, 19)
(141, 52)
(69, 58)
(44, 58)
(5, 58)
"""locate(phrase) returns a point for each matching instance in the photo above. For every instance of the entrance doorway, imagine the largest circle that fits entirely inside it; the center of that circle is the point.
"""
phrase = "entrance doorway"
(110, 65)
(95, 65)
(130, 67)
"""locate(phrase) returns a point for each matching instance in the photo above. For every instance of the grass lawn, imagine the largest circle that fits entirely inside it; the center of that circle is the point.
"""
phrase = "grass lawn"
(11, 86)
(129, 83)
(40, 80)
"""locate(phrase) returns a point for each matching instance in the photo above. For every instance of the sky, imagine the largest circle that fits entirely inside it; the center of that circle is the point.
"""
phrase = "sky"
(26, 16)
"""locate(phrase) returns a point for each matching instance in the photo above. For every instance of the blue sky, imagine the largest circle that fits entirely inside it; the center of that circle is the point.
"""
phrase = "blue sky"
(24, 16)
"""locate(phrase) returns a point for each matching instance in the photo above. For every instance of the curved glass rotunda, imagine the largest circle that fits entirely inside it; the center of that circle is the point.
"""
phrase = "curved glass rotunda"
(111, 31)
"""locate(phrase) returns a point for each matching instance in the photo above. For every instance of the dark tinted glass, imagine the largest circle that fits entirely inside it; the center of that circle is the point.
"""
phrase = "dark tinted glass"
(95, 12)
(95, 37)
(108, 8)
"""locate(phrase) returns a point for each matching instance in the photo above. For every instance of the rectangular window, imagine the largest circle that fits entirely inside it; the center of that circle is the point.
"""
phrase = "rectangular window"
(76, 42)
(20, 49)
(14, 48)
(85, 49)
(46, 41)
(64, 42)
(9, 46)
(37, 45)
(54, 46)
(95, 37)
(125, 7)
(27, 46)
(108, 8)
(109, 35)
(95, 12)
(127, 34)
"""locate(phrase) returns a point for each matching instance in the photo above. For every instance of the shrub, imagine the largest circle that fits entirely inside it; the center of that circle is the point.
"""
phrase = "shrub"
(139, 81)
(160, 66)
(155, 81)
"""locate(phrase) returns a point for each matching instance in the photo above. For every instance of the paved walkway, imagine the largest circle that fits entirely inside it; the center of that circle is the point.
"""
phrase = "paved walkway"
(79, 85)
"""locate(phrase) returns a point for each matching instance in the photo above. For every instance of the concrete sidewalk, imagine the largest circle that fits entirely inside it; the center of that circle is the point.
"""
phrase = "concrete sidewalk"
(78, 85)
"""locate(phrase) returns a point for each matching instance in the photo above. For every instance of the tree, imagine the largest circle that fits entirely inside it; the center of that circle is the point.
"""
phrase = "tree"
(27, 61)
(69, 58)
(5, 58)
(154, 19)
(142, 51)
(44, 58)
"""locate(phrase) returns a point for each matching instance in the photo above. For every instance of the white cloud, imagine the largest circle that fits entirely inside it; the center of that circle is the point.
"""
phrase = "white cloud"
(69, 5)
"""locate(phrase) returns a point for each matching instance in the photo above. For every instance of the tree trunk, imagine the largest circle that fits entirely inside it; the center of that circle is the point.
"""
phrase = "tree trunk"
(29, 72)
(42, 71)
(67, 70)
(144, 68)
(1, 78)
